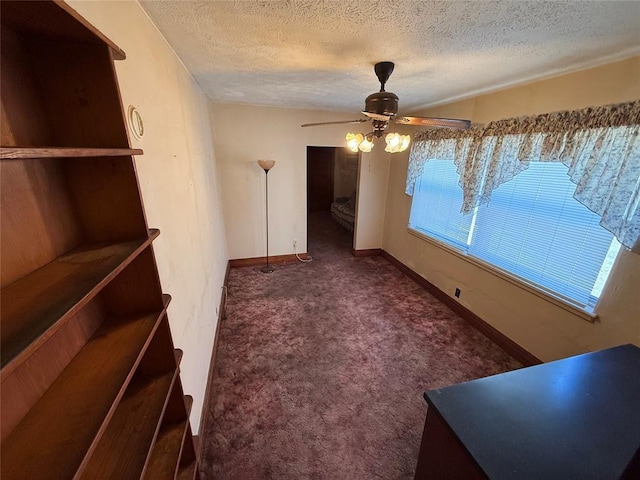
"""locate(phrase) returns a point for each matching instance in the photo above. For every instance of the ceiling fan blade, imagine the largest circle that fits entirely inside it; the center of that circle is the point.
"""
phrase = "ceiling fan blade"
(377, 116)
(340, 122)
(434, 122)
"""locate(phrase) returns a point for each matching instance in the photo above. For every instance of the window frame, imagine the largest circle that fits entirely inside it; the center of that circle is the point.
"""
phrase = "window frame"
(448, 240)
(565, 303)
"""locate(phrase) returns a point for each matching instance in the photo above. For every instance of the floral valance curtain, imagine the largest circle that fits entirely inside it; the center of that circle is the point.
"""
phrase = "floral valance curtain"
(600, 146)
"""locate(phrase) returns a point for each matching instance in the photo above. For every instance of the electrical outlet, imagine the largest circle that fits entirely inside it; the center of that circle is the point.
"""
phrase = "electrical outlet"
(295, 242)
(457, 293)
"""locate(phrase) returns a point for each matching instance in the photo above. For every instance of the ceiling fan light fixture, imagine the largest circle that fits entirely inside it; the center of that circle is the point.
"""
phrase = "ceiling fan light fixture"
(354, 140)
(393, 140)
(381, 108)
(396, 142)
(366, 145)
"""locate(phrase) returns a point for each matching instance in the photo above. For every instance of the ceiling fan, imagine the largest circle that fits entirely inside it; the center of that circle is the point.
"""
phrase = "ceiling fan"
(381, 108)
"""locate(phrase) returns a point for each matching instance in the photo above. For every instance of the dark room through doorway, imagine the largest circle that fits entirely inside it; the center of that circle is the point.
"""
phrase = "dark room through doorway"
(332, 178)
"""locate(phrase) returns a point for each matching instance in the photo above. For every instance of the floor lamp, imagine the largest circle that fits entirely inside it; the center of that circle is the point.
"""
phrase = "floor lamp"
(266, 166)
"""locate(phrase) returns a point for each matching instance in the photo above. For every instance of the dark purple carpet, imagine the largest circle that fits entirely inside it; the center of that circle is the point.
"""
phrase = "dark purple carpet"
(321, 367)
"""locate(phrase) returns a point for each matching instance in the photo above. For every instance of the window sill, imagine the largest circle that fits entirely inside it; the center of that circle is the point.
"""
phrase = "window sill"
(561, 302)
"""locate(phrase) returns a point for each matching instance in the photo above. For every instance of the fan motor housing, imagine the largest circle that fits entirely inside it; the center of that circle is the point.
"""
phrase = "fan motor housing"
(382, 103)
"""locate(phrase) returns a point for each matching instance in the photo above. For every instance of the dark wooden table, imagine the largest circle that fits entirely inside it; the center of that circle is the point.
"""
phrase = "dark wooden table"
(577, 418)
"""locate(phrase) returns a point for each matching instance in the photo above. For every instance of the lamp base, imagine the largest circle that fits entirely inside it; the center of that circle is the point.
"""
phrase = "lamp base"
(268, 269)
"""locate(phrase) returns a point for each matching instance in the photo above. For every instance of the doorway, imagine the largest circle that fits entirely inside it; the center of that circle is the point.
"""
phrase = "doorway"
(320, 178)
(332, 176)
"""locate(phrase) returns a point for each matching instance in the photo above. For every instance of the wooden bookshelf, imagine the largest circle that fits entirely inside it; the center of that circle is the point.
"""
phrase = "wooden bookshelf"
(189, 472)
(56, 20)
(89, 379)
(123, 449)
(35, 306)
(166, 452)
(113, 353)
(165, 456)
(188, 466)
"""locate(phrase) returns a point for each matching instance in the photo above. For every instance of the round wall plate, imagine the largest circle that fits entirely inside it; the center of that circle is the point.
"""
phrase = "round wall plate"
(135, 122)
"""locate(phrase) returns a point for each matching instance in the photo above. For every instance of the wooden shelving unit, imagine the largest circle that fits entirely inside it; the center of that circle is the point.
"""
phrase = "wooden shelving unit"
(90, 384)
(163, 462)
(188, 467)
(32, 311)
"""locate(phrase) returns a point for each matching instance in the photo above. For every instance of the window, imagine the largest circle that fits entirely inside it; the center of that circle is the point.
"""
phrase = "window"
(533, 229)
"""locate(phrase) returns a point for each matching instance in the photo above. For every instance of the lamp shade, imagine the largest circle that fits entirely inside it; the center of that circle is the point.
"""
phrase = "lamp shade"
(266, 164)
(366, 145)
(353, 140)
(396, 142)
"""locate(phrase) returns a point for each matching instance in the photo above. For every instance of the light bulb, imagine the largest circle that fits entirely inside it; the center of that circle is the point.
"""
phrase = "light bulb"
(393, 140)
(396, 142)
(366, 145)
(353, 140)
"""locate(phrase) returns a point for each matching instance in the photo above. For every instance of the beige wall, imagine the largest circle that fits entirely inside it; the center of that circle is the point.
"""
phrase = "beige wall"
(178, 179)
(372, 193)
(541, 327)
(244, 134)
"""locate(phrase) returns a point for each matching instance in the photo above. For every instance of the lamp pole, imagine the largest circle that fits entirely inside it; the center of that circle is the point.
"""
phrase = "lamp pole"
(266, 166)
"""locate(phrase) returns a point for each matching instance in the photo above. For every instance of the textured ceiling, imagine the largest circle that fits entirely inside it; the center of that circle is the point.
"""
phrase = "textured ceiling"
(319, 54)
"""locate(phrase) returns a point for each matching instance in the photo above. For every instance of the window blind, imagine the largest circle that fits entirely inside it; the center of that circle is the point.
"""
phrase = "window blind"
(440, 197)
(533, 228)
